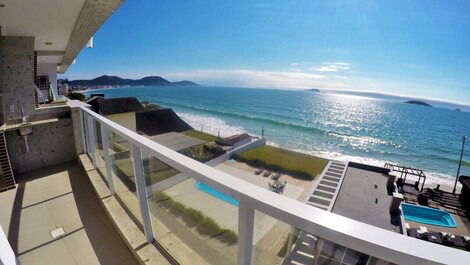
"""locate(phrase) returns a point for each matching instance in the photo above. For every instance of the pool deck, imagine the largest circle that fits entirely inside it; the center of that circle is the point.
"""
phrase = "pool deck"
(463, 223)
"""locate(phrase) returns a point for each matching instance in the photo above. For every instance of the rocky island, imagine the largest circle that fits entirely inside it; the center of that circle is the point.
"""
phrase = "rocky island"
(313, 90)
(416, 102)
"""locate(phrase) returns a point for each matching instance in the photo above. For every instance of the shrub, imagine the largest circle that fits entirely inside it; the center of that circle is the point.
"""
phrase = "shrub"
(194, 218)
(76, 95)
(229, 237)
(204, 152)
(177, 208)
(148, 106)
(208, 227)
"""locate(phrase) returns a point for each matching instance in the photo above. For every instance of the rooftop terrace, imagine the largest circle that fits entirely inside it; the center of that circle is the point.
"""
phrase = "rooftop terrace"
(364, 197)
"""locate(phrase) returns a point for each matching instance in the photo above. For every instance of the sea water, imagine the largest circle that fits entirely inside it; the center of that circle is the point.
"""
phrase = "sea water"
(368, 129)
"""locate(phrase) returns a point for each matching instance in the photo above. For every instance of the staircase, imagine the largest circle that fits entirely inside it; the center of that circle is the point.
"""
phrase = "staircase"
(7, 180)
(324, 194)
(323, 197)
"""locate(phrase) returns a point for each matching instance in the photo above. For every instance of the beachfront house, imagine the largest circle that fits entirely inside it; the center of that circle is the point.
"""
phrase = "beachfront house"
(76, 186)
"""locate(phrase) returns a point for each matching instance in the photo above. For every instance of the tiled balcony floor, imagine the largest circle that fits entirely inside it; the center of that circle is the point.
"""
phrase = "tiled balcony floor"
(60, 197)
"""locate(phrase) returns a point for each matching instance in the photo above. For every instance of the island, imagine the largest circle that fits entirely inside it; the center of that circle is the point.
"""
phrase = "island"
(416, 102)
(313, 90)
(116, 81)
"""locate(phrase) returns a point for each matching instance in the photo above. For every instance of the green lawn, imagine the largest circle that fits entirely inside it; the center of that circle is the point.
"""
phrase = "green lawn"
(200, 135)
(285, 161)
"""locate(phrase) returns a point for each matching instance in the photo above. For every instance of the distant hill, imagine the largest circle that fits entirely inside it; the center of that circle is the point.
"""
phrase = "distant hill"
(107, 80)
(416, 102)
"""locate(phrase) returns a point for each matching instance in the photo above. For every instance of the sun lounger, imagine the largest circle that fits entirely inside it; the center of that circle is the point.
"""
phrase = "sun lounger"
(458, 241)
(276, 176)
(266, 173)
(434, 237)
(413, 232)
(422, 231)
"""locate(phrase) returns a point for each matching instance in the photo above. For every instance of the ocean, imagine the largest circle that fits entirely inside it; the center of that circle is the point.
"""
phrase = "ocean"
(371, 129)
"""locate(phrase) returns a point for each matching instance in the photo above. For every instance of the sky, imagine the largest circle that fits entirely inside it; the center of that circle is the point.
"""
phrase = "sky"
(415, 48)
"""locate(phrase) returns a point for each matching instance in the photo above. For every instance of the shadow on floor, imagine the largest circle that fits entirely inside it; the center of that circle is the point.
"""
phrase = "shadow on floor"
(99, 232)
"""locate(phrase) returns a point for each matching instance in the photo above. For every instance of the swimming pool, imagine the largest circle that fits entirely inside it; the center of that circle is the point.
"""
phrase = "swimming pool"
(427, 215)
(215, 193)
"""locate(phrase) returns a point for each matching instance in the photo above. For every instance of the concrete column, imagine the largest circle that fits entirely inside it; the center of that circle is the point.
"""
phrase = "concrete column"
(17, 71)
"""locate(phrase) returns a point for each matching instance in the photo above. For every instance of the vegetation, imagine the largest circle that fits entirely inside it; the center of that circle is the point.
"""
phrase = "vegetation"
(148, 106)
(285, 161)
(194, 218)
(76, 95)
(204, 152)
(203, 136)
(286, 247)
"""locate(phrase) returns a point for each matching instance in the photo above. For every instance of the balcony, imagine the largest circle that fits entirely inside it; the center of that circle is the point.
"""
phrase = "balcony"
(54, 217)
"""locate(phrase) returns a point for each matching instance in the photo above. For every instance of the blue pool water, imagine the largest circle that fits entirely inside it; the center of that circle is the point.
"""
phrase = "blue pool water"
(427, 215)
(215, 193)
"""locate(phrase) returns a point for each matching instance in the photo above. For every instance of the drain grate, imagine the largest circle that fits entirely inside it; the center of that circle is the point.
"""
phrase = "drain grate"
(58, 232)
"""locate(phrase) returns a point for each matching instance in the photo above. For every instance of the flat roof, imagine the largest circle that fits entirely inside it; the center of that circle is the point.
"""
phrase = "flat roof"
(176, 141)
(363, 196)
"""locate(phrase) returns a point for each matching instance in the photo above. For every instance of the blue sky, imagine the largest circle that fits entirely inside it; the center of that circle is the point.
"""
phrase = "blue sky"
(418, 48)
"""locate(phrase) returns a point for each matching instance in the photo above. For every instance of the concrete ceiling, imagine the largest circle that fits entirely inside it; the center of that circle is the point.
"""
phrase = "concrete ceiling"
(60, 27)
(47, 20)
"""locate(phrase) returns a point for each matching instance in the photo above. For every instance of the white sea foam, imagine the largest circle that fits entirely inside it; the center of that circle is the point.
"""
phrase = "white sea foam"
(210, 125)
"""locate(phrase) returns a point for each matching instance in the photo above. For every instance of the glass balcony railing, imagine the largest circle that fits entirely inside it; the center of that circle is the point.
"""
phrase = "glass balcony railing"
(201, 215)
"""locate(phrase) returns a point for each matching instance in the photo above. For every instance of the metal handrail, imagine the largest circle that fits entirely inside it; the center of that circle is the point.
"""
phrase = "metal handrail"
(371, 240)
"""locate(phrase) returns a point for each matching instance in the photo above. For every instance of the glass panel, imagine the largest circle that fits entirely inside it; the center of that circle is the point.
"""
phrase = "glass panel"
(194, 222)
(120, 152)
(273, 241)
(100, 164)
(331, 253)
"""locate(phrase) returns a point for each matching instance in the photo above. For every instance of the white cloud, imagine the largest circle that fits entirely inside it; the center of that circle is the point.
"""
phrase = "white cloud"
(332, 67)
(255, 78)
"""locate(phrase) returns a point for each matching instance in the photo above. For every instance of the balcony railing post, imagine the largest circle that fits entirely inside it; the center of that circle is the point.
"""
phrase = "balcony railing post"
(246, 219)
(107, 157)
(82, 130)
(91, 137)
(141, 192)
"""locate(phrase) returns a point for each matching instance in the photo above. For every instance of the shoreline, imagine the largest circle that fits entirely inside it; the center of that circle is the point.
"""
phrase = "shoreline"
(432, 178)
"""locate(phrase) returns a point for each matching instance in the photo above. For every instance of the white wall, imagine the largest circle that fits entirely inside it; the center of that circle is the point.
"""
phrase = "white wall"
(49, 69)
(7, 256)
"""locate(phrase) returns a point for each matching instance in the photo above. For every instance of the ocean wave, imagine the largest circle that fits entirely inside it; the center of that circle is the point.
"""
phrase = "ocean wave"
(362, 140)
(210, 125)
(253, 118)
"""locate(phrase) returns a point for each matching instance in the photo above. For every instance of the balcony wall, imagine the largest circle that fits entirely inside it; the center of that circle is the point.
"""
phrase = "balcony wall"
(49, 144)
